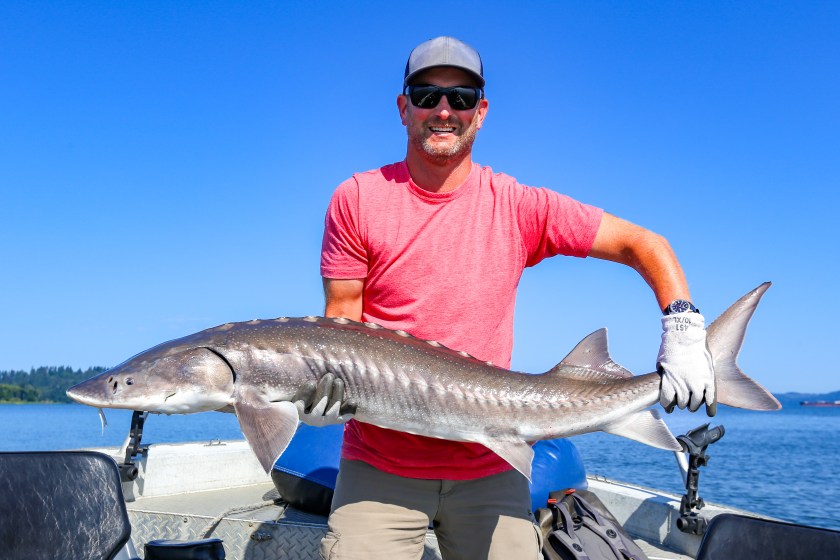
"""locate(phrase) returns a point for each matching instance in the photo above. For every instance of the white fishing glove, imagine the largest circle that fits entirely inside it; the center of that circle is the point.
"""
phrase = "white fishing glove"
(323, 404)
(688, 377)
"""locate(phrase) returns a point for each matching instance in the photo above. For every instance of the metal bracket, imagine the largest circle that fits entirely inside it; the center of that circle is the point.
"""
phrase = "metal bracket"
(128, 470)
(695, 443)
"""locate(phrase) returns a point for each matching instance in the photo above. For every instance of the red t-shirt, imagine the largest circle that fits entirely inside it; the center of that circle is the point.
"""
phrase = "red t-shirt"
(444, 267)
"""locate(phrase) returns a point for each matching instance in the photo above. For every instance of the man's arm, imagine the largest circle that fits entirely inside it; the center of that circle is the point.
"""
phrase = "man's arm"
(647, 252)
(343, 298)
(684, 361)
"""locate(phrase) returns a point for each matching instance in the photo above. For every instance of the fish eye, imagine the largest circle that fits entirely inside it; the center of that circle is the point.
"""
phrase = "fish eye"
(129, 381)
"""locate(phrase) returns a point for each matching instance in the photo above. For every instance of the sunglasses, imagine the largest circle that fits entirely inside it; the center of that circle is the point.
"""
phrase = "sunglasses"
(460, 98)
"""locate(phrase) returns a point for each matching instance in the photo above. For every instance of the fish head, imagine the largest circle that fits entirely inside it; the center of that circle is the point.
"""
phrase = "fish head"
(168, 379)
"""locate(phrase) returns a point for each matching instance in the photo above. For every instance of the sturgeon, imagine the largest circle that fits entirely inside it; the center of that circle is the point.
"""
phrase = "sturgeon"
(411, 385)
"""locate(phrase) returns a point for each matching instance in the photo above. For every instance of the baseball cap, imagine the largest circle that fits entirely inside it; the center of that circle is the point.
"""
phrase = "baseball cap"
(444, 51)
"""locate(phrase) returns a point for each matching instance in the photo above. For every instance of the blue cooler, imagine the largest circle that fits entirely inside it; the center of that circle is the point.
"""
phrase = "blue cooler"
(306, 472)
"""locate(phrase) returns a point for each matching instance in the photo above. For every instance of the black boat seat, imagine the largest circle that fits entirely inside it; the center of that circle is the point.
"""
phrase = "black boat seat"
(731, 537)
(61, 505)
(70, 504)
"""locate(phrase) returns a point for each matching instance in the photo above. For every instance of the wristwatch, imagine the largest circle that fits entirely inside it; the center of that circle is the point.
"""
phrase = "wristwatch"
(679, 306)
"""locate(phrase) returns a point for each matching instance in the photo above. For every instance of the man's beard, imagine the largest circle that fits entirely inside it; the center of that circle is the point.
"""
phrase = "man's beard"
(444, 154)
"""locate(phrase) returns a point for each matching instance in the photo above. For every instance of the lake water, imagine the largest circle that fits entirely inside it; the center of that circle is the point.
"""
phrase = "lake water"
(782, 464)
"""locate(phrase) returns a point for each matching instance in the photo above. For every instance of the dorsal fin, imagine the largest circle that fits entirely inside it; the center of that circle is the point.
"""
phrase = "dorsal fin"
(593, 353)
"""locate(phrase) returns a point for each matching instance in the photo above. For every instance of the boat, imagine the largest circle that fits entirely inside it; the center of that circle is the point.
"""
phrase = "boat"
(171, 494)
(176, 496)
(819, 403)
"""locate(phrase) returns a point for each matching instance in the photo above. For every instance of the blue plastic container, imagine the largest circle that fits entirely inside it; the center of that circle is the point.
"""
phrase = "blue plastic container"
(307, 470)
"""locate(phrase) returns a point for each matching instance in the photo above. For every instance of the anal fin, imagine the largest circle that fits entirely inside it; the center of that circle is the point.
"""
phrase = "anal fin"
(268, 426)
(647, 427)
(516, 452)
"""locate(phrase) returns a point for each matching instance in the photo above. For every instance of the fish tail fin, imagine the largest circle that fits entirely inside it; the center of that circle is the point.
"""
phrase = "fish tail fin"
(724, 338)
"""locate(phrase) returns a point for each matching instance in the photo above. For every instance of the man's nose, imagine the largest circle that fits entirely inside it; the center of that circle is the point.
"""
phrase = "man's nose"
(443, 108)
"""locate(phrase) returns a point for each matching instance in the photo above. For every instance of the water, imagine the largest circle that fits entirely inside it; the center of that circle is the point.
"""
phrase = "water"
(781, 464)
(44, 427)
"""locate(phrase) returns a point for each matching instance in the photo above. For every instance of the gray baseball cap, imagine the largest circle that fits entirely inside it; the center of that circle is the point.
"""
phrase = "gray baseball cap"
(444, 51)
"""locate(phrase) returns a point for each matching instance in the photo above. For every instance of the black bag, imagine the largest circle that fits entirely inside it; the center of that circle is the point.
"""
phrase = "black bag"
(578, 528)
(206, 549)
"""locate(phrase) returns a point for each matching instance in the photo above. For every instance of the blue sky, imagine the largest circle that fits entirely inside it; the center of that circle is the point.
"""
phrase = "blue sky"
(165, 166)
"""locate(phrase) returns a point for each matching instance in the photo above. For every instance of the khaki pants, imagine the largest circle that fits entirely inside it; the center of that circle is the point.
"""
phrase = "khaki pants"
(376, 515)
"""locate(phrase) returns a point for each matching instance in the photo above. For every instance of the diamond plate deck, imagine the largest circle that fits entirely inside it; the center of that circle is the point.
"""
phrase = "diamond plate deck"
(275, 532)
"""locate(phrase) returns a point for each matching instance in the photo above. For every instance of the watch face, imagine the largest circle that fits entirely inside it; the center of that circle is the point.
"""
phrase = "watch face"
(679, 306)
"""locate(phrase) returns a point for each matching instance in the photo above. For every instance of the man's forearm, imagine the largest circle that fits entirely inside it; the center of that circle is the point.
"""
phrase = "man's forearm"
(648, 253)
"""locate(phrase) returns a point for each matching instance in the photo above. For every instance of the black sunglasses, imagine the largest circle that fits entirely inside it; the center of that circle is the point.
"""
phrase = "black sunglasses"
(460, 98)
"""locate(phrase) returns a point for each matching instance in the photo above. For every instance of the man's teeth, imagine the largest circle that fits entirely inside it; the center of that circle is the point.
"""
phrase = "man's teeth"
(442, 128)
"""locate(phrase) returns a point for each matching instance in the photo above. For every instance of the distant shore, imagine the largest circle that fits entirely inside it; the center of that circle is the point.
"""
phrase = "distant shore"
(47, 385)
(787, 399)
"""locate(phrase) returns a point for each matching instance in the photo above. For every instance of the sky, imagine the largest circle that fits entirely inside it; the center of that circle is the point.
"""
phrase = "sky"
(165, 166)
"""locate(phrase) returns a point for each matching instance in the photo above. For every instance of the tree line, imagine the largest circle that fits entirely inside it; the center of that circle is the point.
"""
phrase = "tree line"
(43, 384)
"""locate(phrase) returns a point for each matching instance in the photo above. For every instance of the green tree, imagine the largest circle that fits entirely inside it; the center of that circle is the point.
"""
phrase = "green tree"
(43, 384)
(18, 394)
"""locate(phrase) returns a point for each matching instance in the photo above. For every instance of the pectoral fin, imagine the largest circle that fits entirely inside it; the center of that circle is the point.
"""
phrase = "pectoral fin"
(268, 426)
(518, 453)
(647, 427)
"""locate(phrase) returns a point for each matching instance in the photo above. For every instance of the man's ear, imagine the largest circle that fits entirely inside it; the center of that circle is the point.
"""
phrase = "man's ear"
(483, 106)
(402, 105)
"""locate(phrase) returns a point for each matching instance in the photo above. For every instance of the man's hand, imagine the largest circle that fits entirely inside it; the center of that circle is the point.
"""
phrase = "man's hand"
(323, 403)
(688, 377)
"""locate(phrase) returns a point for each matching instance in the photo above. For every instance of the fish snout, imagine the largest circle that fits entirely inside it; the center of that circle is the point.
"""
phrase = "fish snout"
(109, 389)
(90, 392)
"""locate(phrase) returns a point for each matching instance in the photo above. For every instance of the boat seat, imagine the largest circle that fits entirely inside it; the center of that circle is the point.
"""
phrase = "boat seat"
(66, 504)
(70, 504)
(731, 536)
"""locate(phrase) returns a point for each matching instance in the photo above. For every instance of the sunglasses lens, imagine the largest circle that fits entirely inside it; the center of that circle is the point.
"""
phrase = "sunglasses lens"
(459, 98)
(425, 97)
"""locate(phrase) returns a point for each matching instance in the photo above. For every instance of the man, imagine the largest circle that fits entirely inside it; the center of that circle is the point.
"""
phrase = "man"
(435, 245)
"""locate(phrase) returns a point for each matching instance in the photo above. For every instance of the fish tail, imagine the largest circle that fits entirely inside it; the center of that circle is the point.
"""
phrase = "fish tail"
(724, 338)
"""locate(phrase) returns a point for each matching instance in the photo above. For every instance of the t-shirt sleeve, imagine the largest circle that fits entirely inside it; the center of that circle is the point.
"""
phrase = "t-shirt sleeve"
(554, 224)
(343, 253)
